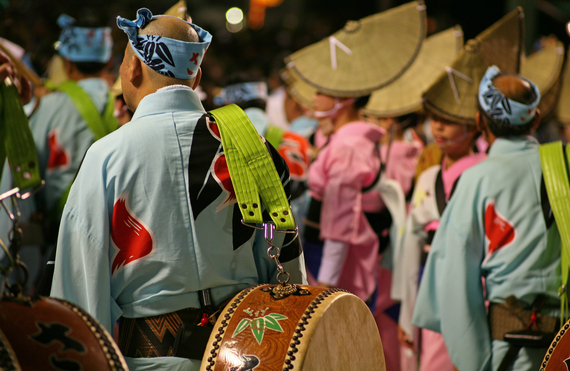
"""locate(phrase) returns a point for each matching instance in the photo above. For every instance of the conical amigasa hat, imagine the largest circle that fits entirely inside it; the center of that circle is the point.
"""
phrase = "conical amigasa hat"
(544, 68)
(178, 10)
(299, 90)
(365, 55)
(453, 96)
(563, 107)
(404, 95)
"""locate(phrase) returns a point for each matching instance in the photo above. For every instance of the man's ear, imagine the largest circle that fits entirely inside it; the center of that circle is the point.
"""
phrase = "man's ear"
(197, 79)
(134, 69)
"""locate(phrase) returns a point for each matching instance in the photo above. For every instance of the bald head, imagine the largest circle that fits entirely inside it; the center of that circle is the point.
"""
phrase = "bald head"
(137, 78)
(515, 88)
(171, 27)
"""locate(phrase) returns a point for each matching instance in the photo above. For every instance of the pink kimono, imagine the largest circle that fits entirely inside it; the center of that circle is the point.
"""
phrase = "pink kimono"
(342, 169)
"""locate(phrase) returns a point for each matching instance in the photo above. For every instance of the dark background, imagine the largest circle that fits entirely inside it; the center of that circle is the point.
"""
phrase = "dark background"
(288, 27)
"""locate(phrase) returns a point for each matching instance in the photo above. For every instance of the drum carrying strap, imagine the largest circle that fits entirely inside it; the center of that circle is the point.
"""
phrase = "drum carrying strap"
(252, 170)
(555, 173)
(274, 135)
(99, 125)
(16, 140)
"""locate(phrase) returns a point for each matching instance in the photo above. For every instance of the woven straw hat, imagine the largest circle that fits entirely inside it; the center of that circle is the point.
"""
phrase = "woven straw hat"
(544, 68)
(178, 10)
(299, 90)
(365, 55)
(453, 96)
(563, 108)
(404, 95)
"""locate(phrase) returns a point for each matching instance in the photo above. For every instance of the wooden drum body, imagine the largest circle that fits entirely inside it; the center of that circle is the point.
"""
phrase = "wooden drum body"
(52, 334)
(269, 328)
(557, 357)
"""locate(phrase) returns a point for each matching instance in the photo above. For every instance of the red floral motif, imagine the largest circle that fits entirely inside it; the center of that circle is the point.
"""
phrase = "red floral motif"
(498, 230)
(296, 152)
(133, 239)
(58, 156)
(213, 129)
(221, 174)
(195, 58)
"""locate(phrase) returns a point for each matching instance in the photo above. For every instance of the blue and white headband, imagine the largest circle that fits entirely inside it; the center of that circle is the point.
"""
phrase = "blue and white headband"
(174, 58)
(83, 44)
(502, 108)
(241, 93)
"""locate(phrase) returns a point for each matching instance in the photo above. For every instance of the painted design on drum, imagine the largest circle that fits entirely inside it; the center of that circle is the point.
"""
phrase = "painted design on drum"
(567, 363)
(260, 323)
(249, 362)
(57, 332)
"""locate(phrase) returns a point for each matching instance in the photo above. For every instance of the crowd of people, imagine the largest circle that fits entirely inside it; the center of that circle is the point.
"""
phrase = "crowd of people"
(410, 161)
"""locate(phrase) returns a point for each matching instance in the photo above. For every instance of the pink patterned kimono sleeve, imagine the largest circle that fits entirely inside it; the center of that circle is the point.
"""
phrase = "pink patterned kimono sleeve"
(337, 179)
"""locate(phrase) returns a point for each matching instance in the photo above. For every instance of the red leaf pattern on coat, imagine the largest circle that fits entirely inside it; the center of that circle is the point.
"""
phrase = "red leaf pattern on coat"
(133, 239)
(58, 156)
(498, 229)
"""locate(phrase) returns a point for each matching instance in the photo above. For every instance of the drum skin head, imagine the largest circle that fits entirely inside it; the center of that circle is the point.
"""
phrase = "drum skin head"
(557, 357)
(312, 329)
(52, 334)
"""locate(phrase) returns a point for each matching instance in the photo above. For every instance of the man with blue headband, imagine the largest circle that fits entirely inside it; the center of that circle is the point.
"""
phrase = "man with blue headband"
(71, 118)
(151, 233)
(497, 242)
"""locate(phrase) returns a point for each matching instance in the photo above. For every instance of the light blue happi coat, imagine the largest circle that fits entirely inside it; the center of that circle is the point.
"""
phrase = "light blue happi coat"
(135, 180)
(58, 126)
(492, 228)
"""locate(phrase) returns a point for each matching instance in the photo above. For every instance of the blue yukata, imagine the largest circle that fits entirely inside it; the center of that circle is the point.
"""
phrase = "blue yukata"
(62, 137)
(492, 228)
(152, 218)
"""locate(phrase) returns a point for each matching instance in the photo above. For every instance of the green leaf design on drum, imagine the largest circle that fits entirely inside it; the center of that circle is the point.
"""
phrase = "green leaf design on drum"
(259, 324)
(258, 329)
(272, 324)
(243, 324)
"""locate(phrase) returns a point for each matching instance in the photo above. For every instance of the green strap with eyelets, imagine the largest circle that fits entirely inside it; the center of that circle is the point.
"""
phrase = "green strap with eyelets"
(252, 170)
(17, 142)
(555, 175)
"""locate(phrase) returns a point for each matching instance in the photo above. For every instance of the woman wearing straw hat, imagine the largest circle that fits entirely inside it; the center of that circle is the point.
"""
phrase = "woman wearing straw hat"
(344, 69)
(399, 102)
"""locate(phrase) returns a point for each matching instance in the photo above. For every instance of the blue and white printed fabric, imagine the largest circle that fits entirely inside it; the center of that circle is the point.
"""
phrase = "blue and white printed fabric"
(241, 93)
(502, 108)
(170, 57)
(83, 44)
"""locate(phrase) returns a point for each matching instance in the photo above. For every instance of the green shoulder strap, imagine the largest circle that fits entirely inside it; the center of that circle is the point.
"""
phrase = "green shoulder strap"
(16, 140)
(274, 135)
(555, 176)
(99, 126)
(251, 169)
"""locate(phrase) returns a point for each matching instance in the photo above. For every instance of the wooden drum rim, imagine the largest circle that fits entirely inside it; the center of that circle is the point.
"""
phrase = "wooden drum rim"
(553, 345)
